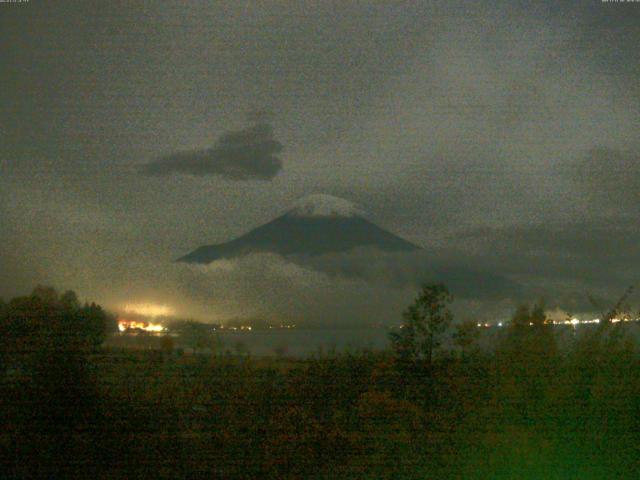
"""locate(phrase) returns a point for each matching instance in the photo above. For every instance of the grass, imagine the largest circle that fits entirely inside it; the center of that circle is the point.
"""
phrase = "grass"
(511, 413)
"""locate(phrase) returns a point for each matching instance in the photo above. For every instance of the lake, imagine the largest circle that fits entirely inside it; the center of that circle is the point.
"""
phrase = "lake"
(300, 342)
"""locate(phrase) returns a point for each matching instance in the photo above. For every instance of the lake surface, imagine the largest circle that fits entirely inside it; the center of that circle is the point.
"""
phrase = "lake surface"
(308, 342)
(302, 342)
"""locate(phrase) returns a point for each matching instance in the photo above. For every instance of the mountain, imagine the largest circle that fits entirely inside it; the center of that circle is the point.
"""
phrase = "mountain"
(316, 225)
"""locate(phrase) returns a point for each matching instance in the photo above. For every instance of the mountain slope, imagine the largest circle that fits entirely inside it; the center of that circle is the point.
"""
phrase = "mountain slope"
(317, 225)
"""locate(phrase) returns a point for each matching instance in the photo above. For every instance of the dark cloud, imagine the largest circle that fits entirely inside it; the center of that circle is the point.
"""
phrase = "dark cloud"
(563, 263)
(239, 155)
(411, 269)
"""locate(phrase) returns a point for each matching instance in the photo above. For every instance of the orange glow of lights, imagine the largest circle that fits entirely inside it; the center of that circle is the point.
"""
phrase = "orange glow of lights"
(124, 325)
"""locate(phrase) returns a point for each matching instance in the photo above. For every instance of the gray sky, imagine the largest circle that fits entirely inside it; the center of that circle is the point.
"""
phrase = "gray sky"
(499, 136)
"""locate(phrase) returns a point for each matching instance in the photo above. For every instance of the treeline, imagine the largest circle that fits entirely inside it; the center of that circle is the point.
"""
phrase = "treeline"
(46, 319)
(48, 390)
(526, 410)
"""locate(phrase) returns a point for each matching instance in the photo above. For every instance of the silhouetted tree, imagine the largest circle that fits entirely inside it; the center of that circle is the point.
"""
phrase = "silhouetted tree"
(619, 306)
(424, 320)
(69, 300)
(94, 323)
(465, 335)
(48, 337)
(529, 332)
(521, 316)
(526, 361)
(46, 294)
(538, 316)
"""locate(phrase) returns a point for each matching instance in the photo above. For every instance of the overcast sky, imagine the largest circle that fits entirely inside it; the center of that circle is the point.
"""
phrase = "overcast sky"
(499, 136)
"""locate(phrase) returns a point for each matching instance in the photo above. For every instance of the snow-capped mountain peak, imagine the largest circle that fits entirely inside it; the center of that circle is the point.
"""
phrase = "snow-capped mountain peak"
(323, 205)
(317, 225)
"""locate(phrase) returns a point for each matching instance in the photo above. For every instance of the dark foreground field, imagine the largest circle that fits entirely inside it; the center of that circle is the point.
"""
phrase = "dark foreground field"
(524, 410)
(506, 415)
